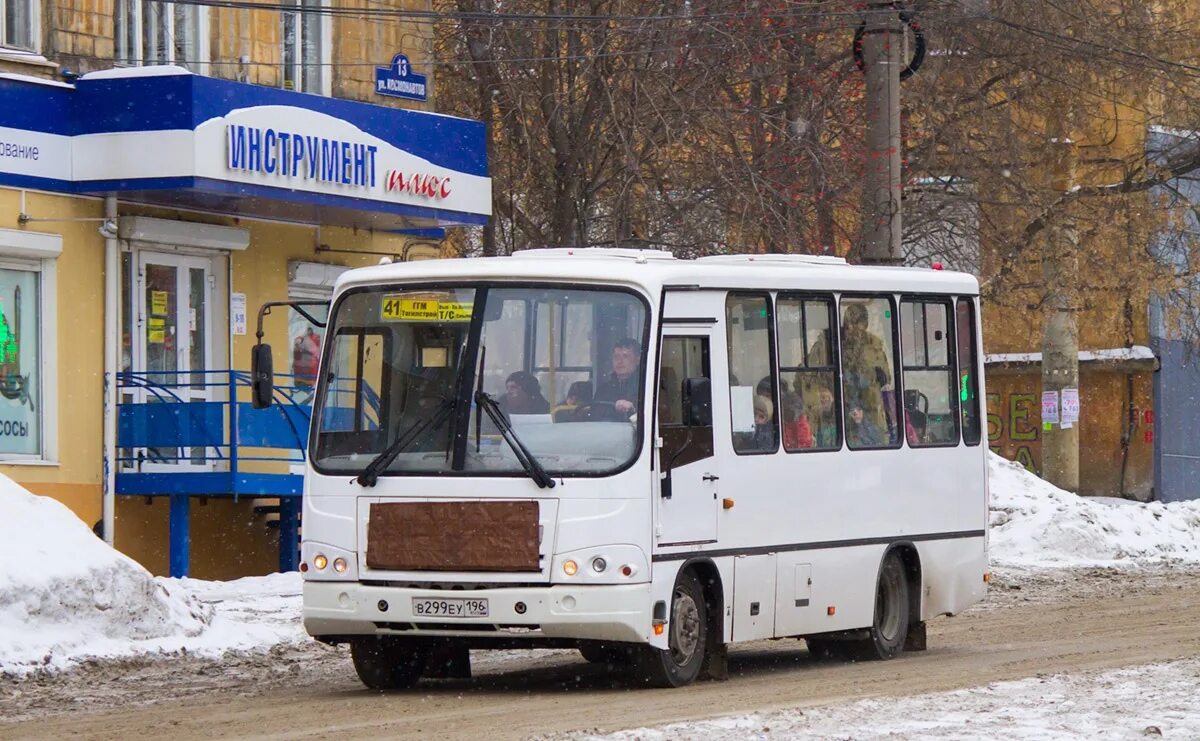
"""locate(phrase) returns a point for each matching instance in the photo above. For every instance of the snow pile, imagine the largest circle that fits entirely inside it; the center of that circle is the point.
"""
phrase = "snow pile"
(65, 593)
(1034, 523)
(1156, 700)
(254, 613)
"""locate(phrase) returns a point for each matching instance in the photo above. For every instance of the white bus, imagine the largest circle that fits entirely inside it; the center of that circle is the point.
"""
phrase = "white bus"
(642, 457)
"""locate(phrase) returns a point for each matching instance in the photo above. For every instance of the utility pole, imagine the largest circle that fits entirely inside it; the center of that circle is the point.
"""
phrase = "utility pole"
(1060, 335)
(882, 36)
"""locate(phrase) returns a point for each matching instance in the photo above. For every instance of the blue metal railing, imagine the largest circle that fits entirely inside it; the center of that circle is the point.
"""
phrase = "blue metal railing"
(176, 440)
(171, 417)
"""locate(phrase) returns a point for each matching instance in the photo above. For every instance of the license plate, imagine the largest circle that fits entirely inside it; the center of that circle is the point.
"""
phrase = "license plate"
(460, 607)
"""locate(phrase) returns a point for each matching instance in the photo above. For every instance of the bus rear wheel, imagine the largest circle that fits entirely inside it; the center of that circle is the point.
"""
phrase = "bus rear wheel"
(886, 636)
(687, 638)
(388, 663)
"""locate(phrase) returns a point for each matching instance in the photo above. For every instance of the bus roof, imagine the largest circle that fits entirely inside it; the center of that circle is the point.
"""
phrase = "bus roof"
(653, 270)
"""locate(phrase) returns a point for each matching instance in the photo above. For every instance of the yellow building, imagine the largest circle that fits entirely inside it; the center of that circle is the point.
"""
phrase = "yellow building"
(206, 161)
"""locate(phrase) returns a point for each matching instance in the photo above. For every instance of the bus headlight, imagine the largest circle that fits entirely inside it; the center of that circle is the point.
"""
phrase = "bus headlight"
(610, 564)
(328, 562)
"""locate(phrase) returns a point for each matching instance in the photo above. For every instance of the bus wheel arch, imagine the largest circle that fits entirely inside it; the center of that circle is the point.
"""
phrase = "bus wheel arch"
(911, 560)
(714, 594)
(897, 599)
(716, 658)
(696, 596)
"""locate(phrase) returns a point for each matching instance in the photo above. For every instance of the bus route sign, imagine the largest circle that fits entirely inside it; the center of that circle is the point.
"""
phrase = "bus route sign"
(395, 308)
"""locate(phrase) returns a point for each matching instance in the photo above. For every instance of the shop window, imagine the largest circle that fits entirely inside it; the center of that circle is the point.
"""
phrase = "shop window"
(151, 32)
(28, 346)
(930, 402)
(752, 397)
(306, 46)
(868, 372)
(19, 24)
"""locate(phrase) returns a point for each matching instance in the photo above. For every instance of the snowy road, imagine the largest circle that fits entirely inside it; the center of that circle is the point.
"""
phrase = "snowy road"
(1033, 625)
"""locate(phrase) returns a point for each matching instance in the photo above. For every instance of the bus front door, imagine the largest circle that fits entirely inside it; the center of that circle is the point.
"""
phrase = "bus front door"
(688, 500)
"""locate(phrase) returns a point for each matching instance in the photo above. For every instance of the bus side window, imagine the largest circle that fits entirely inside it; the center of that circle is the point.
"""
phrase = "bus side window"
(930, 402)
(682, 358)
(868, 372)
(968, 361)
(808, 374)
(752, 397)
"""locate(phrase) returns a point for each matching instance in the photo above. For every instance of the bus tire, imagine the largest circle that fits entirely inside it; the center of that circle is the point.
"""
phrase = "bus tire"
(388, 663)
(890, 626)
(687, 638)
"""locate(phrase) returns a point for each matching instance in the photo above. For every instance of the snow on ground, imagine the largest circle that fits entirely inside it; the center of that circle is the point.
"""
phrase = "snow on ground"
(1034, 523)
(1148, 701)
(66, 596)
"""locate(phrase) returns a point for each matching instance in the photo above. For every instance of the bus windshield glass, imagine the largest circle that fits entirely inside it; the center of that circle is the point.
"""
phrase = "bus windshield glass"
(405, 368)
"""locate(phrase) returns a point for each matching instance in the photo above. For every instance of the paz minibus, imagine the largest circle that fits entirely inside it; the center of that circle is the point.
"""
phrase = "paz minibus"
(641, 457)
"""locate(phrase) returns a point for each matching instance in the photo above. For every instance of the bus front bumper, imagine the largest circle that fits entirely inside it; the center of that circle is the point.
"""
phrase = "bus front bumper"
(618, 612)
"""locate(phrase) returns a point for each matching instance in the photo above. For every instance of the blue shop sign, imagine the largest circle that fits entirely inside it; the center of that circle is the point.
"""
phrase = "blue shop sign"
(163, 136)
(399, 80)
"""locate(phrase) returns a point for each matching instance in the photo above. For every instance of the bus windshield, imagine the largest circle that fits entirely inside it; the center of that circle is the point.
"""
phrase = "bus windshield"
(405, 368)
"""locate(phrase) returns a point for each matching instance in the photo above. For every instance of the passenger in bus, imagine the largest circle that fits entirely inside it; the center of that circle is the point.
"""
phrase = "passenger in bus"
(620, 388)
(523, 395)
(797, 433)
(865, 366)
(763, 437)
(861, 431)
(825, 420)
(579, 395)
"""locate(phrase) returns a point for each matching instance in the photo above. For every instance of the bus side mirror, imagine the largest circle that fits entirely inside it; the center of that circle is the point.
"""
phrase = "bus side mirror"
(697, 402)
(262, 376)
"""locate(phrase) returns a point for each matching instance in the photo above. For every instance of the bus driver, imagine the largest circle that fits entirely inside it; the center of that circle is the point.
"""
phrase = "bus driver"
(620, 388)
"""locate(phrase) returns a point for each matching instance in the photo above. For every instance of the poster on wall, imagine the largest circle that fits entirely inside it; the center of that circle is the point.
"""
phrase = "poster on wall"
(20, 364)
(1070, 407)
(1049, 408)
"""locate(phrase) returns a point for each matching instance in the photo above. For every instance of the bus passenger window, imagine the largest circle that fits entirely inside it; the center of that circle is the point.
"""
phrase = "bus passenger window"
(930, 403)
(752, 397)
(968, 384)
(868, 385)
(808, 374)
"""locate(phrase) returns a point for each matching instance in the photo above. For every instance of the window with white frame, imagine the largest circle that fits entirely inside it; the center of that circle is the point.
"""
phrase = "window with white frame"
(306, 39)
(28, 346)
(156, 32)
(19, 24)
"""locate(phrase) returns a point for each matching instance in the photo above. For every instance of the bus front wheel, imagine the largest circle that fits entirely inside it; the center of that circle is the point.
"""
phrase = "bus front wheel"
(387, 663)
(886, 636)
(687, 638)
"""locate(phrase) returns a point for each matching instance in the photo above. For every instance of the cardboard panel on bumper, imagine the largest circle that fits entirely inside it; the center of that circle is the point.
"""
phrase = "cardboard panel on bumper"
(453, 536)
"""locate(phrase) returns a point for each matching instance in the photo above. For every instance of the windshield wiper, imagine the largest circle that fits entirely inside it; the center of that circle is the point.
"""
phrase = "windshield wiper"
(370, 474)
(528, 462)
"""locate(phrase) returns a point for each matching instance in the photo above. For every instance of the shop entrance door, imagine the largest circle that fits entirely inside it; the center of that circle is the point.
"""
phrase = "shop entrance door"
(173, 299)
